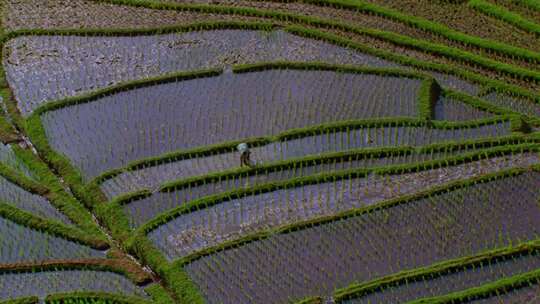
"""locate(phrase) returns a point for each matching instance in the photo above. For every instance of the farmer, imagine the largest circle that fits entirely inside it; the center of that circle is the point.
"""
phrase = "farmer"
(244, 154)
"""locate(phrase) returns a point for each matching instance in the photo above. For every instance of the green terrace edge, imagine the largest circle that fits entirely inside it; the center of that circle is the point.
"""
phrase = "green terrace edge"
(496, 85)
(159, 294)
(25, 300)
(112, 212)
(332, 157)
(421, 23)
(495, 288)
(346, 125)
(359, 6)
(505, 15)
(531, 4)
(176, 279)
(63, 203)
(360, 289)
(425, 96)
(22, 181)
(212, 200)
(51, 226)
(77, 297)
(96, 264)
(57, 195)
(188, 292)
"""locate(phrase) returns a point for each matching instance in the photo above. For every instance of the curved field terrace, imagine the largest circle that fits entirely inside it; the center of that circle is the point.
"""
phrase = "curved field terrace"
(269, 151)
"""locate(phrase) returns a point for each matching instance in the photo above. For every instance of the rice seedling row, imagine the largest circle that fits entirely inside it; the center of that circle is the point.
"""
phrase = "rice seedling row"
(317, 260)
(448, 108)
(144, 209)
(525, 295)
(457, 280)
(105, 135)
(9, 159)
(43, 283)
(93, 298)
(514, 103)
(488, 290)
(36, 204)
(90, 14)
(235, 218)
(75, 66)
(22, 244)
(396, 39)
(520, 8)
(153, 176)
(502, 13)
(71, 65)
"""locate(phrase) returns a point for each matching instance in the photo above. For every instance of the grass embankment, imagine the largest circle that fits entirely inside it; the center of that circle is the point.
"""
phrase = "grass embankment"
(360, 6)
(507, 16)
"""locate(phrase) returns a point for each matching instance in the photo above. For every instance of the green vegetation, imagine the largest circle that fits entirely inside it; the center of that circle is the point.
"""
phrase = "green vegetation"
(343, 215)
(505, 15)
(491, 289)
(103, 224)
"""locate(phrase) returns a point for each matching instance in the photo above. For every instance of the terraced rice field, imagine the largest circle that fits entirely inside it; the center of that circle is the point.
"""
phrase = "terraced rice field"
(394, 151)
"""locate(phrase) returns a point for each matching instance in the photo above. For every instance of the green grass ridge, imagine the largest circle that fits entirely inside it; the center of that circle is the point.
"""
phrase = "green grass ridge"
(426, 25)
(50, 226)
(491, 289)
(356, 5)
(57, 196)
(175, 278)
(291, 134)
(322, 220)
(502, 13)
(93, 297)
(159, 294)
(25, 300)
(102, 265)
(360, 289)
(212, 200)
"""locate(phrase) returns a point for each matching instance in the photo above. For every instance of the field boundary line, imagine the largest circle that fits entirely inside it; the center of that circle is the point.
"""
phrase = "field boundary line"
(439, 269)
(211, 200)
(505, 15)
(494, 288)
(322, 220)
(375, 33)
(291, 134)
(118, 266)
(53, 227)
